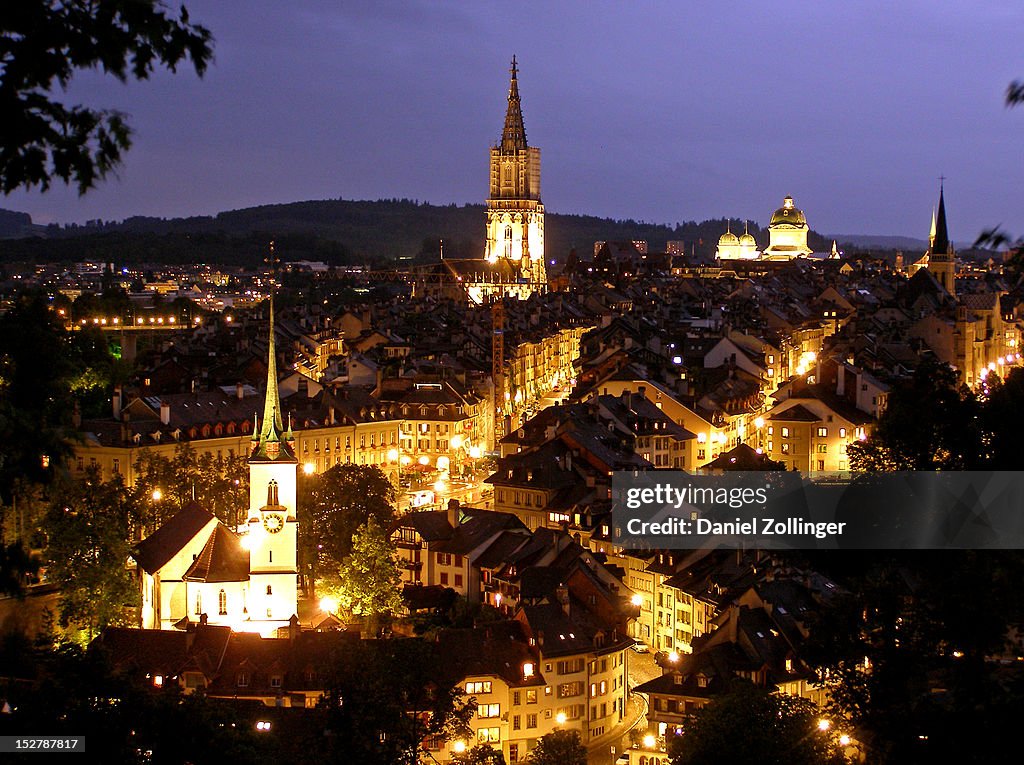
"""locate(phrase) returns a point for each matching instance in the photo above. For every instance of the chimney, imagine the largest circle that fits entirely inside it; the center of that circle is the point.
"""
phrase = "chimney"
(562, 594)
(380, 382)
(453, 512)
(117, 402)
(293, 628)
(165, 413)
(203, 618)
(304, 386)
(239, 391)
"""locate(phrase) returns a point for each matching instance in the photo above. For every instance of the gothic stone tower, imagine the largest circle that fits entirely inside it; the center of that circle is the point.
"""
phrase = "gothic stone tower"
(515, 215)
(272, 523)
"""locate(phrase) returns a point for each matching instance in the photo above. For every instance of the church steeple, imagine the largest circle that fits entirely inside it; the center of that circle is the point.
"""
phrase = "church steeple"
(513, 137)
(940, 243)
(272, 442)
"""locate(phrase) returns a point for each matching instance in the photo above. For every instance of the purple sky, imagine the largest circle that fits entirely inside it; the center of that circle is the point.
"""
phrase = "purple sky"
(661, 112)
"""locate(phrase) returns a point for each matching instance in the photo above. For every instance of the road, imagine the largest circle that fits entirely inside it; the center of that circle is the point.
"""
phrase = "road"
(640, 668)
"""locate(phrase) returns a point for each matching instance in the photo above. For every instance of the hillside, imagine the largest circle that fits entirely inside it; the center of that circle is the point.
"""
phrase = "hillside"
(338, 232)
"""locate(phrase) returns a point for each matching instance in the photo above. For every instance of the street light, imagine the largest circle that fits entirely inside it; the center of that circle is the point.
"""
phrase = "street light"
(308, 468)
(157, 495)
(328, 604)
(560, 718)
(824, 725)
(650, 741)
(459, 746)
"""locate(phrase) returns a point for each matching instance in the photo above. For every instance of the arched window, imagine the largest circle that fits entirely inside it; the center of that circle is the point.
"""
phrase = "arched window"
(270, 590)
(508, 173)
(199, 601)
(222, 603)
(508, 232)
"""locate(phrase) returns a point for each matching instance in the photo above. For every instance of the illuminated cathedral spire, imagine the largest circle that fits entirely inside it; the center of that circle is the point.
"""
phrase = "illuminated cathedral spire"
(513, 137)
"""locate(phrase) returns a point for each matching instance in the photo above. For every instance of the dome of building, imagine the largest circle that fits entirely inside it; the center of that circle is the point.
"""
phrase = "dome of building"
(788, 214)
(728, 239)
(747, 240)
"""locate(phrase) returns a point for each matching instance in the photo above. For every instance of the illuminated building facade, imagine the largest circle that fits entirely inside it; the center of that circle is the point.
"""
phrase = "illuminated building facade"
(196, 569)
(787, 233)
(732, 247)
(515, 214)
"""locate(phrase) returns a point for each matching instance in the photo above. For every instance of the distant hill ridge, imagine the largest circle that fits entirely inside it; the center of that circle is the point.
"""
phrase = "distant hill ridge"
(336, 231)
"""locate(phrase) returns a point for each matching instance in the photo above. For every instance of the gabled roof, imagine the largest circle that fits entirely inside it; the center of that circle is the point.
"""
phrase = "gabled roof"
(797, 413)
(153, 552)
(223, 559)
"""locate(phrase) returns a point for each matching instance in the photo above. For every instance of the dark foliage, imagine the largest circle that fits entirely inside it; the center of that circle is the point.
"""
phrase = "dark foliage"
(42, 45)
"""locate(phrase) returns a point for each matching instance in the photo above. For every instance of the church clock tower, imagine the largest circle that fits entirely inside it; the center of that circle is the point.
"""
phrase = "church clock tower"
(515, 214)
(272, 523)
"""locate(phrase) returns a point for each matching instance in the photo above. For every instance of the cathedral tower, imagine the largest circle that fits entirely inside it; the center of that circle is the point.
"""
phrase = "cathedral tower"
(941, 257)
(515, 215)
(272, 523)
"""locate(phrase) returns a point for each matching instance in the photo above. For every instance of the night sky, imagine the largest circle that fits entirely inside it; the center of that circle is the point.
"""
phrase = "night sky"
(661, 112)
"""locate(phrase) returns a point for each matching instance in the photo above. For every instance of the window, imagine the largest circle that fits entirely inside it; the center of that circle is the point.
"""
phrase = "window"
(199, 602)
(242, 680)
(488, 735)
(275, 681)
(516, 722)
(479, 687)
(489, 710)
(785, 432)
(842, 432)
(531, 721)
(822, 448)
(822, 432)
(531, 698)
(117, 466)
(458, 580)
(270, 590)
(222, 603)
(785, 448)
(516, 698)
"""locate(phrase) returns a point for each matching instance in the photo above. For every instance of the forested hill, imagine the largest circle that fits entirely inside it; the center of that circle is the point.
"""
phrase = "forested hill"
(338, 232)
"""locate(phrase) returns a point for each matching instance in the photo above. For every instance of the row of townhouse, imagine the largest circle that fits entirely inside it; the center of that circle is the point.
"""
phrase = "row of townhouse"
(758, 635)
(425, 424)
(569, 625)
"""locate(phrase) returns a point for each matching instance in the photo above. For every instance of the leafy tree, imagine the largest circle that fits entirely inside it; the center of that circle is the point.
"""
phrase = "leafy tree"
(16, 565)
(905, 655)
(929, 424)
(369, 578)
(559, 747)
(89, 528)
(1002, 419)
(42, 45)
(754, 726)
(333, 504)
(219, 484)
(384, 700)
(35, 400)
(481, 754)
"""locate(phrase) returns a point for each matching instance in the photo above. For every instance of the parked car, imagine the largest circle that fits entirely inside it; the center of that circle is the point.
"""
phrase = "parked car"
(640, 647)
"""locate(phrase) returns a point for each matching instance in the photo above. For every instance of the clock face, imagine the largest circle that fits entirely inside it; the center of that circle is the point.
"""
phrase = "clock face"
(273, 522)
